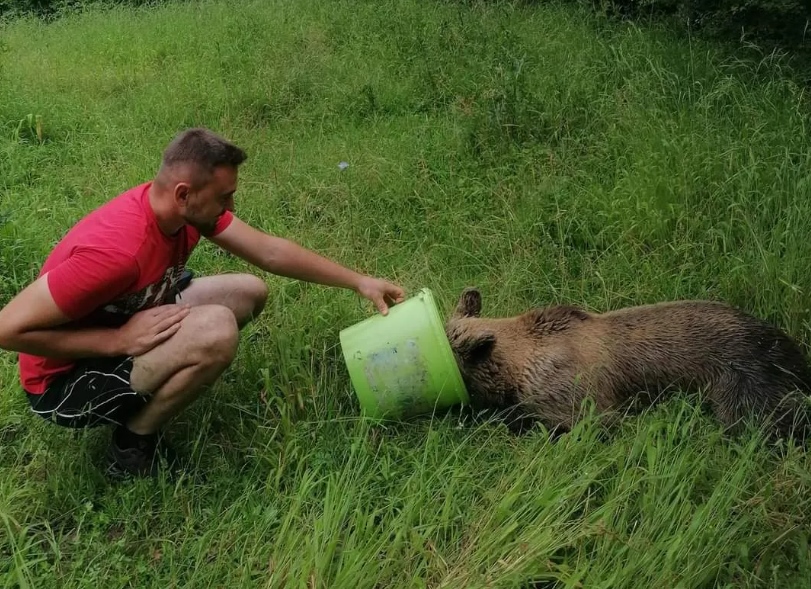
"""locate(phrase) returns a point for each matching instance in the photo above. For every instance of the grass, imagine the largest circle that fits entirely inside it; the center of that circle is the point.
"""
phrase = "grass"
(536, 152)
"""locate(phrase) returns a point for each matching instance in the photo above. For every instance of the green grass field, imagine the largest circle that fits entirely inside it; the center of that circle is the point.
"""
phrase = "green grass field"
(538, 153)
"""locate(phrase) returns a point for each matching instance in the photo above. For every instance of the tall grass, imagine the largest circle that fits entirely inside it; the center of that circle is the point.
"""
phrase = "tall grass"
(536, 152)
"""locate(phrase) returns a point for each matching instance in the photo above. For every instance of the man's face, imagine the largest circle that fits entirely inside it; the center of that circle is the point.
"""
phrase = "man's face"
(203, 207)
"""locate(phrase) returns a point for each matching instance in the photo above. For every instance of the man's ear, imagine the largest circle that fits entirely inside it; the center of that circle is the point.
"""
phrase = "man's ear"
(182, 193)
(474, 348)
(469, 304)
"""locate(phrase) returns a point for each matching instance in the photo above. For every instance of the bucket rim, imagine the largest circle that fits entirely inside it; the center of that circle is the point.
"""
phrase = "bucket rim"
(438, 329)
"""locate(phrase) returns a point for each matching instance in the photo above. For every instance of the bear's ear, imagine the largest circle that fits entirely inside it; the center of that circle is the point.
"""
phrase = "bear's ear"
(474, 348)
(470, 303)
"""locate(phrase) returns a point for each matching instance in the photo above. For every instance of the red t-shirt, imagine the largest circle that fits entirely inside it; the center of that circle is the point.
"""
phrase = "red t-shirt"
(110, 265)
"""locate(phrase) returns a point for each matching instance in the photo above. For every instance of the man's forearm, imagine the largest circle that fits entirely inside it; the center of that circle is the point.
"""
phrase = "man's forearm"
(293, 261)
(64, 343)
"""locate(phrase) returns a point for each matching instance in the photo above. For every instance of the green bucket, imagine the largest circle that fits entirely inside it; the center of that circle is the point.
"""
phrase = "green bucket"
(401, 364)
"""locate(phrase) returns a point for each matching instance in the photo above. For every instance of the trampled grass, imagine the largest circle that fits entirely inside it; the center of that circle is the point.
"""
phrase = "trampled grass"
(534, 151)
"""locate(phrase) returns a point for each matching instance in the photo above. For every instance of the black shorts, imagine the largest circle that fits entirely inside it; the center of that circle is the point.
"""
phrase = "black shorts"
(95, 392)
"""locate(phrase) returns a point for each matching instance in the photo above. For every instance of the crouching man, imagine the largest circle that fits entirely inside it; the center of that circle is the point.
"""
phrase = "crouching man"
(106, 336)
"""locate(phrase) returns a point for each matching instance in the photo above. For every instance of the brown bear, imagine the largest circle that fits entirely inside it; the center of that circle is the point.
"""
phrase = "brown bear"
(542, 364)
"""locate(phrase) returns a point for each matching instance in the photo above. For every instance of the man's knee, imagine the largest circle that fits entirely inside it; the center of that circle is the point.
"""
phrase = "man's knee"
(257, 291)
(216, 333)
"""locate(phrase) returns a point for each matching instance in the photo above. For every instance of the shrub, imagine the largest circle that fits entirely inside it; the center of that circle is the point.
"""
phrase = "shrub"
(784, 23)
(49, 9)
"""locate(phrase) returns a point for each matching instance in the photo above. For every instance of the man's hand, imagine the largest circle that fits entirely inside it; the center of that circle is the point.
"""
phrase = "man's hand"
(380, 292)
(148, 329)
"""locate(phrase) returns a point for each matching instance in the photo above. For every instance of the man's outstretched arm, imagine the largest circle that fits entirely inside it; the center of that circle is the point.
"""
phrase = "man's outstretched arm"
(285, 258)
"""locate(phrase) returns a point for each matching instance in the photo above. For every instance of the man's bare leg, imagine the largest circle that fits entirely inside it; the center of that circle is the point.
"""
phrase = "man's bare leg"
(244, 294)
(175, 372)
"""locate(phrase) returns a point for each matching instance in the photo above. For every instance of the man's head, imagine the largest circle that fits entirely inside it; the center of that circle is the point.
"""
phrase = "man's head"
(199, 174)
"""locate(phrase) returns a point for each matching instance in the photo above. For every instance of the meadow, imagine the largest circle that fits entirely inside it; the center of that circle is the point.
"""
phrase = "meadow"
(536, 151)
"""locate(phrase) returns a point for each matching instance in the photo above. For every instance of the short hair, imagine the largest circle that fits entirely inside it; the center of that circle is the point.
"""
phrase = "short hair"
(204, 149)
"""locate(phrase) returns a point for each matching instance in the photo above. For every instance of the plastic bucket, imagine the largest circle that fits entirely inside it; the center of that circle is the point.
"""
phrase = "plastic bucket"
(401, 364)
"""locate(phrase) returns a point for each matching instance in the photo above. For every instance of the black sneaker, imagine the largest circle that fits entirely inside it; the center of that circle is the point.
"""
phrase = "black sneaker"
(149, 456)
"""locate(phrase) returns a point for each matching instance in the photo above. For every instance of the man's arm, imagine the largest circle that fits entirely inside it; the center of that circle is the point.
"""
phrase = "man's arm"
(285, 258)
(30, 324)
(36, 321)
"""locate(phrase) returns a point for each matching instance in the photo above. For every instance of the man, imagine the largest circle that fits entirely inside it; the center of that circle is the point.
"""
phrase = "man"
(105, 335)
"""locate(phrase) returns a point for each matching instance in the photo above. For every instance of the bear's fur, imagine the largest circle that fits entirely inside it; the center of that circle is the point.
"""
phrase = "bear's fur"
(542, 364)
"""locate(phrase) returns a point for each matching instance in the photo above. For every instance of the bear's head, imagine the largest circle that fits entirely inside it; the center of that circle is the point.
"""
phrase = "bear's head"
(475, 347)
